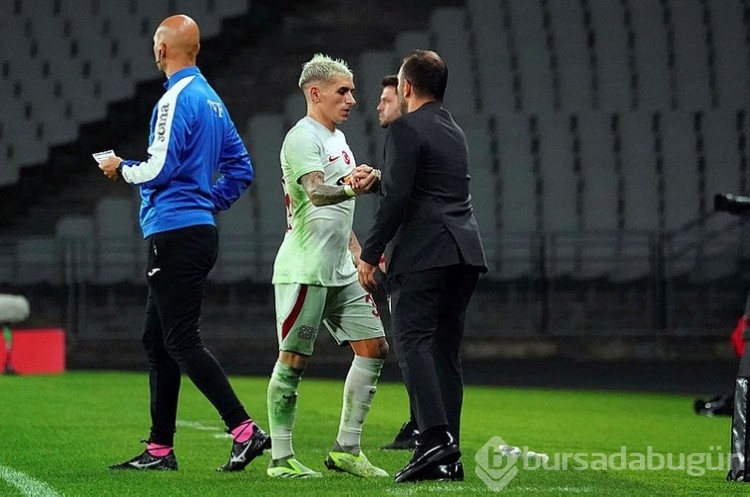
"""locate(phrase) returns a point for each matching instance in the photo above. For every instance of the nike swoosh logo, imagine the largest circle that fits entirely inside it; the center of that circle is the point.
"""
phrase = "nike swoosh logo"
(241, 456)
(145, 465)
(153, 271)
(333, 159)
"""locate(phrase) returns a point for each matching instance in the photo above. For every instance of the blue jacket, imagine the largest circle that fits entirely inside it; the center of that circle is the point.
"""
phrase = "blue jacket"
(192, 139)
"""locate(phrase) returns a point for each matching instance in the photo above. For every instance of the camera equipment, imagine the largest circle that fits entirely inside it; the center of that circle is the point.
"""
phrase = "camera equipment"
(733, 204)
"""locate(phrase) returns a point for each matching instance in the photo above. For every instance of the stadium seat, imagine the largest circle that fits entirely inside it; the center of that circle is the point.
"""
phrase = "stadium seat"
(611, 44)
(8, 170)
(295, 108)
(129, 46)
(559, 180)
(76, 238)
(601, 206)
(88, 102)
(598, 170)
(691, 55)
(364, 215)
(119, 241)
(641, 206)
(682, 197)
(634, 256)
(58, 126)
(31, 8)
(533, 56)
(681, 184)
(205, 13)
(494, 69)
(448, 26)
(154, 11)
(37, 86)
(237, 238)
(518, 196)
(731, 47)
(230, 8)
(519, 183)
(367, 139)
(373, 87)
(74, 64)
(140, 42)
(38, 260)
(141, 252)
(723, 161)
(372, 66)
(18, 133)
(47, 31)
(407, 41)
(28, 149)
(567, 27)
(639, 172)
(45, 87)
(484, 183)
(600, 195)
(560, 191)
(264, 137)
(355, 130)
(7, 263)
(723, 165)
(651, 56)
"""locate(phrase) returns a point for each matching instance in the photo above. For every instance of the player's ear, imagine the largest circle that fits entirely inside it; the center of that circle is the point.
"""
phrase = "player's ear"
(314, 92)
(161, 52)
(406, 88)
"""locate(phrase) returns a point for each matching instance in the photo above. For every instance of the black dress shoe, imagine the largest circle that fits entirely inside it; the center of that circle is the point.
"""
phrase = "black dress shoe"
(406, 438)
(443, 450)
(447, 472)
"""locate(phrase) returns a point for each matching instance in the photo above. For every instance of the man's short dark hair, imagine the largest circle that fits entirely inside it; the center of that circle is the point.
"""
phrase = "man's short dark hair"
(426, 72)
(390, 80)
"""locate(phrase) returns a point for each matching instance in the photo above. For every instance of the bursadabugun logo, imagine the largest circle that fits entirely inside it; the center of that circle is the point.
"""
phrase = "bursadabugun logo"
(495, 467)
(498, 463)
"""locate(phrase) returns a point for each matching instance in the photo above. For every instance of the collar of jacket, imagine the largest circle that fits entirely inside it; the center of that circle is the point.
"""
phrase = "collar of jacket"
(182, 73)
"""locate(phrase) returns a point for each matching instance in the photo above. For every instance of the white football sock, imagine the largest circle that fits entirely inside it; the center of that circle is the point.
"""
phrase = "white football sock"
(282, 408)
(359, 389)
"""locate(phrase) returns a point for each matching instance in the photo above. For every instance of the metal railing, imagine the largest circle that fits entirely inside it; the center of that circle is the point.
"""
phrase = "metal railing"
(690, 280)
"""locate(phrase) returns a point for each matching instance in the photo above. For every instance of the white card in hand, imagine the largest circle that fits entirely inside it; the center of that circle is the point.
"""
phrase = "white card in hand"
(102, 156)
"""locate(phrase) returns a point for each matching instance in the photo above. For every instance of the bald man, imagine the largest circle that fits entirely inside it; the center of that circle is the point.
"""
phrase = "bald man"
(192, 141)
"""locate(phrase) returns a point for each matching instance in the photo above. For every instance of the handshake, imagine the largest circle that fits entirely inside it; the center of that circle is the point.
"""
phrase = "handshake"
(364, 179)
(733, 204)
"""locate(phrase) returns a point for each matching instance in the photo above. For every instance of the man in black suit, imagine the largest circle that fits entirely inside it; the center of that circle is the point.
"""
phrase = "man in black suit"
(436, 259)
(389, 109)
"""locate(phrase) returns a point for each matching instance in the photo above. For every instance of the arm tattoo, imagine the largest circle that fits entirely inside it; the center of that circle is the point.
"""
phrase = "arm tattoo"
(354, 247)
(321, 193)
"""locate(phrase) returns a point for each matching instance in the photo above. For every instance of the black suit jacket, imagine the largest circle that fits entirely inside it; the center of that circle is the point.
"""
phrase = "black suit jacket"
(425, 206)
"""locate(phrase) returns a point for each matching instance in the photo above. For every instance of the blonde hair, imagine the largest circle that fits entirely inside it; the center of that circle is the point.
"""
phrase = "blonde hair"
(322, 68)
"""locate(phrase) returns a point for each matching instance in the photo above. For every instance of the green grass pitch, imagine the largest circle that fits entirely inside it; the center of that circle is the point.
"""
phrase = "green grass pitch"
(61, 432)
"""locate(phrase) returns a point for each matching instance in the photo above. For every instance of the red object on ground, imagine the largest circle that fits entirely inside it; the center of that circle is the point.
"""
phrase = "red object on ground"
(736, 338)
(35, 351)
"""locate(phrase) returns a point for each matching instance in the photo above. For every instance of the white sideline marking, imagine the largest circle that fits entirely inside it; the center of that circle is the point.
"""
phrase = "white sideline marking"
(571, 490)
(433, 488)
(197, 425)
(453, 487)
(27, 485)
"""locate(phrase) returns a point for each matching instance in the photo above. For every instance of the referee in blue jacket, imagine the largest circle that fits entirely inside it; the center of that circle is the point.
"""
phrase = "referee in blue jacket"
(192, 139)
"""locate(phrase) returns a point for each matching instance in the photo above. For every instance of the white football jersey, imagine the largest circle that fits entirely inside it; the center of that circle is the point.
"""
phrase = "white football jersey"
(315, 249)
